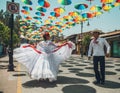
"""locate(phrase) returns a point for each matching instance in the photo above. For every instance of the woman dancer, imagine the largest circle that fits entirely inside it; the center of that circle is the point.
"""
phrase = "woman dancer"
(43, 61)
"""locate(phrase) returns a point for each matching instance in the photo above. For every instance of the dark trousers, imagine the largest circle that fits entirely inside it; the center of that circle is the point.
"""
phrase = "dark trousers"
(99, 68)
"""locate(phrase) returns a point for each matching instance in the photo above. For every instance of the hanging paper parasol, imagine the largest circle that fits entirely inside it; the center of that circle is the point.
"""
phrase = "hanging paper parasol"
(39, 8)
(64, 2)
(59, 10)
(28, 2)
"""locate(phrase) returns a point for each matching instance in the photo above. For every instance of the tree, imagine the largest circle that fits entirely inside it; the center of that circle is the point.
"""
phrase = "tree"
(86, 41)
(5, 35)
(5, 32)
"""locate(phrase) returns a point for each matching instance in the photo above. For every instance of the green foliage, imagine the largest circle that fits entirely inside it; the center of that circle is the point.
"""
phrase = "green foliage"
(86, 40)
(5, 30)
(5, 35)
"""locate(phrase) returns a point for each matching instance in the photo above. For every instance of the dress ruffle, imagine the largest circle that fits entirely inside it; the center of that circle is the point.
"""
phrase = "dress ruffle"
(42, 65)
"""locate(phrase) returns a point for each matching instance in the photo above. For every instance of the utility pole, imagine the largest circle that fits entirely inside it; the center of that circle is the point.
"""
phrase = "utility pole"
(10, 51)
(81, 49)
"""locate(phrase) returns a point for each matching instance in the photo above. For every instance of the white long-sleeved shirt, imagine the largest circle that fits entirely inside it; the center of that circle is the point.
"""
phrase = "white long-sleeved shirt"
(97, 49)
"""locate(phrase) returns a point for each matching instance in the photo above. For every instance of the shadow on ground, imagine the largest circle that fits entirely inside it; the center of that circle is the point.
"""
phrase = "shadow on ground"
(110, 84)
(78, 89)
(60, 80)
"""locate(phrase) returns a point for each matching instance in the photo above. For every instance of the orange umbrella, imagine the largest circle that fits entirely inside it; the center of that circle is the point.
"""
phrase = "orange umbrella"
(25, 12)
(74, 13)
(95, 8)
(59, 10)
(106, 1)
(107, 7)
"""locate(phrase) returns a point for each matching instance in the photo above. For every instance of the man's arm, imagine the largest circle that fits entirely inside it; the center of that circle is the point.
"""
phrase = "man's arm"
(90, 51)
(108, 48)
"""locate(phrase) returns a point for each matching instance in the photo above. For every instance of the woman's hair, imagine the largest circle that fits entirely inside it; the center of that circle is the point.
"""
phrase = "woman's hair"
(45, 35)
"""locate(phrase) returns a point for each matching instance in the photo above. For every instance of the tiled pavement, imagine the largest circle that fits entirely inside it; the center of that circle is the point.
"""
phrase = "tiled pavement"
(75, 76)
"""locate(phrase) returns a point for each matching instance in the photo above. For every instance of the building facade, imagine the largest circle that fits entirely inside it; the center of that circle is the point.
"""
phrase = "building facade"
(112, 37)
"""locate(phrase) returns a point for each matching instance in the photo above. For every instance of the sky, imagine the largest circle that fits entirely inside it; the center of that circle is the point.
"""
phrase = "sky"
(107, 22)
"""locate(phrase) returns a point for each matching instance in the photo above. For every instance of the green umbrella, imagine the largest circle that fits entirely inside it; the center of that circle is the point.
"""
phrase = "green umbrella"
(28, 2)
(65, 2)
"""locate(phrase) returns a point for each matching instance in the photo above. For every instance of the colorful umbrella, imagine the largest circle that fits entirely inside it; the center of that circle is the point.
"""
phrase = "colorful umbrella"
(38, 18)
(118, 1)
(27, 8)
(87, 15)
(67, 17)
(44, 3)
(59, 10)
(107, 7)
(40, 14)
(39, 8)
(65, 2)
(97, 13)
(28, 17)
(106, 1)
(77, 19)
(95, 8)
(47, 22)
(81, 6)
(59, 23)
(41, 2)
(25, 12)
(74, 13)
(51, 17)
(54, 14)
(63, 19)
(28, 2)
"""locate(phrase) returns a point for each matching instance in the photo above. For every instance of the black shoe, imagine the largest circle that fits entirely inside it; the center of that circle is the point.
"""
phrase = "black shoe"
(102, 82)
(96, 82)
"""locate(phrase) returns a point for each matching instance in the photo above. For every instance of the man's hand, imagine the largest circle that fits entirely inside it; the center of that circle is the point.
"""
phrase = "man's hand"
(107, 55)
(89, 58)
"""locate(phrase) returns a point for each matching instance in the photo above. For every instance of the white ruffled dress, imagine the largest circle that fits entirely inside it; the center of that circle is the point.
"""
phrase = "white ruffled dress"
(43, 62)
